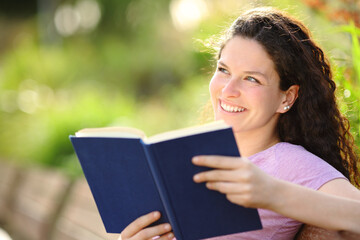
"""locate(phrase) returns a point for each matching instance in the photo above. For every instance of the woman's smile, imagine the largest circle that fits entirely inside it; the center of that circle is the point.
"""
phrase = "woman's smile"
(231, 108)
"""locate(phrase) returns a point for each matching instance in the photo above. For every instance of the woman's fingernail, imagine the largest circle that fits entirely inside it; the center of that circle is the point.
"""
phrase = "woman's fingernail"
(195, 159)
(170, 235)
(196, 178)
(156, 214)
(167, 227)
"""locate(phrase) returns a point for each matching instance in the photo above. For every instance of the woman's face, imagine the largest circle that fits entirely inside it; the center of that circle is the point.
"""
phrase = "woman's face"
(245, 87)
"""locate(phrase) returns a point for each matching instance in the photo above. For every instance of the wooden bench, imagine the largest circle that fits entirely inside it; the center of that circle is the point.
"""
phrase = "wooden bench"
(37, 202)
(80, 218)
(44, 205)
(9, 178)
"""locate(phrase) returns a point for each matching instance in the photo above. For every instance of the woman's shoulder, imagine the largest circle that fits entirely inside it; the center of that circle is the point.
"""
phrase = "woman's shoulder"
(290, 146)
(296, 164)
(284, 151)
(293, 150)
(297, 156)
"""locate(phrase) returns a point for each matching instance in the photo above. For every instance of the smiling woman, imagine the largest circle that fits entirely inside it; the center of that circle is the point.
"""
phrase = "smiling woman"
(274, 86)
(245, 91)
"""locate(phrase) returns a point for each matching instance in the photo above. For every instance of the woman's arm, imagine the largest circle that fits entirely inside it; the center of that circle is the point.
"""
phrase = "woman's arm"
(319, 208)
(335, 206)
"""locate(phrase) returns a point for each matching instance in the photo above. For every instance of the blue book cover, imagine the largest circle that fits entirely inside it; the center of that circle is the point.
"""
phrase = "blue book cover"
(131, 176)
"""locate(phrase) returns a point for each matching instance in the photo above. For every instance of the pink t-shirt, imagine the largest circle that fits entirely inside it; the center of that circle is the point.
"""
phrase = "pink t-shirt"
(294, 164)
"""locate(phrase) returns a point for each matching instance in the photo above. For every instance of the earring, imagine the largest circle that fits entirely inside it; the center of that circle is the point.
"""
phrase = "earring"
(286, 108)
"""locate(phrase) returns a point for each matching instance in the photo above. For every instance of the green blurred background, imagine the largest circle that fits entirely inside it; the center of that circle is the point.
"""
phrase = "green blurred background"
(67, 65)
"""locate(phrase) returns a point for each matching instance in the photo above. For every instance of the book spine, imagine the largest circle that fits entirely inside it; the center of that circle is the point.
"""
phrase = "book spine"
(151, 159)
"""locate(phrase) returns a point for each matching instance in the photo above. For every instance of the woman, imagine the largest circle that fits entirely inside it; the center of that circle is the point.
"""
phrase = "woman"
(273, 85)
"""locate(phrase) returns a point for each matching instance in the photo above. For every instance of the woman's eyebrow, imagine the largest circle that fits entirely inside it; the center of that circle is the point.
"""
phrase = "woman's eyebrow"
(255, 73)
(223, 64)
(246, 72)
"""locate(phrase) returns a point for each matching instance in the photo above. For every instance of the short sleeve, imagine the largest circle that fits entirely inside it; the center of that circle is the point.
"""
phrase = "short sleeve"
(296, 164)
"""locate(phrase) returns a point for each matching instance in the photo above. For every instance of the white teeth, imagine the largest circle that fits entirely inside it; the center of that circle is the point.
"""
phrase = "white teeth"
(231, 108)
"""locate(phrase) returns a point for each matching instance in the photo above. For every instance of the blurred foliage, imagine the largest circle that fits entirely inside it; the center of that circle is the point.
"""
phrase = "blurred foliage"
(134, 69)
(348, 77)
(338, 11)
(345, 54)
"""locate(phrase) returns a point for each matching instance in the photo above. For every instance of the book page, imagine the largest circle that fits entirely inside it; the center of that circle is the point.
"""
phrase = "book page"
(127, 132)
(116, 132)
(217, 125)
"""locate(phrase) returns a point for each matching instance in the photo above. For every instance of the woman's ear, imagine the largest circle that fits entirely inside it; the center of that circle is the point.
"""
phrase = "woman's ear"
(290, 97)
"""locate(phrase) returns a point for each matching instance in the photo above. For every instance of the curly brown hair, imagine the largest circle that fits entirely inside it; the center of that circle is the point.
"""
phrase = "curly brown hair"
(314, 121)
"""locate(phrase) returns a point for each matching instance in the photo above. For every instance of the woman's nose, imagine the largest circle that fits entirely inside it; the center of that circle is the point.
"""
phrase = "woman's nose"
(231, 89)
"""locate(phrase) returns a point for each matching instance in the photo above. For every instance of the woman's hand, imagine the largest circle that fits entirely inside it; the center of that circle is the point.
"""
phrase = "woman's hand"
(240, 180)
(139, 230)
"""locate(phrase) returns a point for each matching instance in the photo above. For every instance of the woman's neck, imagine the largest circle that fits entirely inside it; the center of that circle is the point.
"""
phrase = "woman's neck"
(250, 143)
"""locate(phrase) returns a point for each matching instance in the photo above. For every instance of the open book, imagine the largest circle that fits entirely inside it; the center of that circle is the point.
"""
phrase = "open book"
(130, 175)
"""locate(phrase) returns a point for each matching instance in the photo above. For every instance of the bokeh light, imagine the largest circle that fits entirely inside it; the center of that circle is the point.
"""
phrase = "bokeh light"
(187, 14)
(83, 16)
(67, 20)
(90, 14)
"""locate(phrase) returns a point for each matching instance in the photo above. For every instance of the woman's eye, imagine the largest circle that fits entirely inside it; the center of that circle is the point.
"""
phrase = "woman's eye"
(252, 79)
(223, 70)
